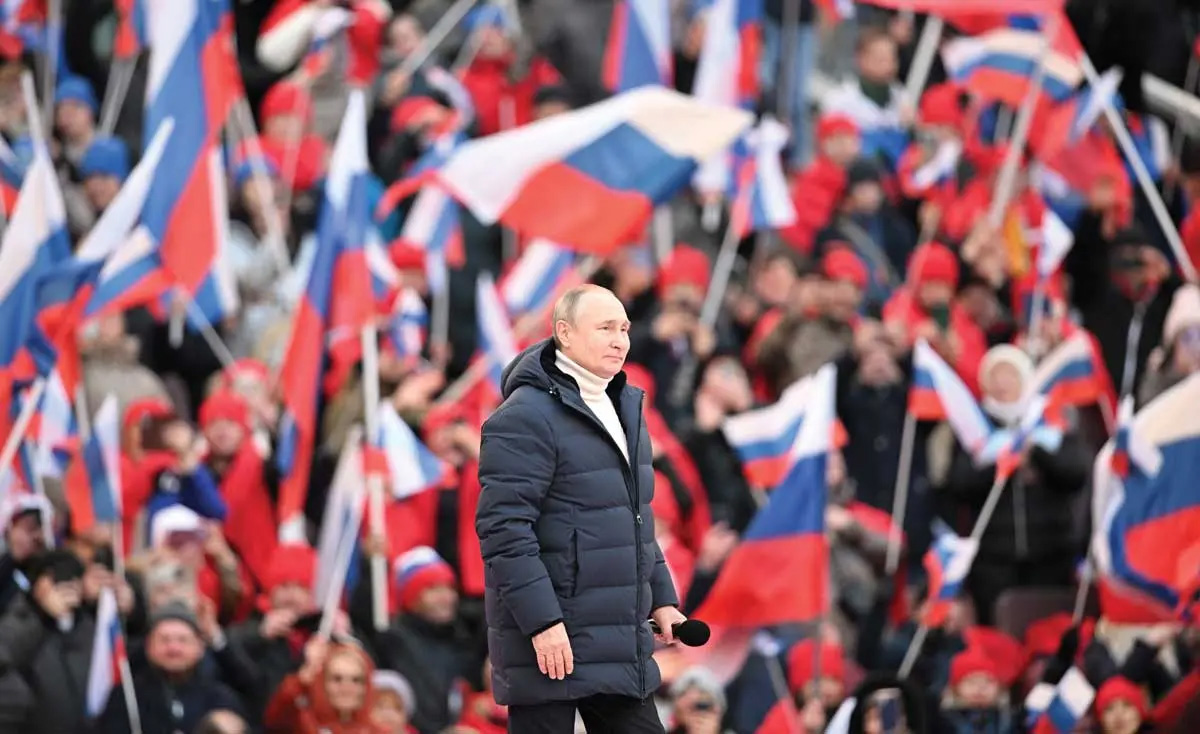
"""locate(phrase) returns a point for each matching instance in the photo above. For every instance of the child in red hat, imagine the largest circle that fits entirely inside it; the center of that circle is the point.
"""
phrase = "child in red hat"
(975, 699)
(1121, 706)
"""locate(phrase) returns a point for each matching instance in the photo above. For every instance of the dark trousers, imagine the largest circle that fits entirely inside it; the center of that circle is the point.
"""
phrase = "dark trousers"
(601, 715)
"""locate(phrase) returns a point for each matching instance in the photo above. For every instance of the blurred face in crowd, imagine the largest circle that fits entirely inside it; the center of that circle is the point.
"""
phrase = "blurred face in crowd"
(494, 43)
(808, 294)
(865, 197)
(633, 271)
(286, 128)
(1003, 383)
(224, 437)
(935, 295)
(877, 363)
(74, 120)
(877, 60)
(1120, 717)
(695, 705)
(597, 336)
(25, 538)
(388, 712)
(774, 281)
(174, 647)
(843, 299)
(404, 35)
(292, 597)
(177, 436)
(726, 380)
(841, 149)
(830, 691)
(437, 604)
(101, 190)
(983, 307)
(186, 547)
(346, 682)
(170, 582)
(978, 690)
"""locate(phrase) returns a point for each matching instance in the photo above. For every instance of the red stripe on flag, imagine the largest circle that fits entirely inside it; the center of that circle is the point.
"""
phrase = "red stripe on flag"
(768, 582)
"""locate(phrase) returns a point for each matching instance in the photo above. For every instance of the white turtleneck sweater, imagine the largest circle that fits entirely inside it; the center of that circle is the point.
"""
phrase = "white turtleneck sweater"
(592, 388)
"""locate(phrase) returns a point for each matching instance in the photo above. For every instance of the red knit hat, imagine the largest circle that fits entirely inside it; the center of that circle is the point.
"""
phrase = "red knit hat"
(842, 264)
(933, 262)
(1007, 654)
(940, 105)
(835, 124)
(686, 266)
(410, 108)
(418, 570)
(969, 662)
(224, 405)
(140, 410)
(800, 663)
(291, 564)
(253, 368)
(406, 256)
(1121, 689)
(287, 98)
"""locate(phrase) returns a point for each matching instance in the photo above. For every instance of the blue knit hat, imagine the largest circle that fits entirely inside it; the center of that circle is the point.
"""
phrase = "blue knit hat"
(76, 89)
(105, 157)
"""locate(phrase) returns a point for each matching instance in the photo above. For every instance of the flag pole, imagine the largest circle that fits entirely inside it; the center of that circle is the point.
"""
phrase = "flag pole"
(900, 496)
(447, 23)
(1005, 182)
(1161, 215)
(54, 26)
(523, 329)
(981, 523)
(219, 349)
(923, 56)
(115, 93)
(370, 389)
(780, 687)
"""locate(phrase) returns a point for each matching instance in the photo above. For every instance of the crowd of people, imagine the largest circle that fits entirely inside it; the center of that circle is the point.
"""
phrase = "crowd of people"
(221, 623)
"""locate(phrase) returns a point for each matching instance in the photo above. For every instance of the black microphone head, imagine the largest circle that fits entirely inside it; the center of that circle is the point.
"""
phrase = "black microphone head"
(692, 632)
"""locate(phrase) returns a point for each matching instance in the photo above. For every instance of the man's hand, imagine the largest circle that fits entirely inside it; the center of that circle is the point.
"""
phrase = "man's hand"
(666, 618)
(554, 655)
(277, 623)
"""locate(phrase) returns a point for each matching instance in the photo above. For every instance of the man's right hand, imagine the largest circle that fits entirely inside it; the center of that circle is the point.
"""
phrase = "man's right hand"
(553, 649)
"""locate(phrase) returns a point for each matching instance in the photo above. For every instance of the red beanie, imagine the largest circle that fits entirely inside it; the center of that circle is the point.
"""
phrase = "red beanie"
(252, 368)
(418, 570)
(685, 266)
(409, 108)
(800, 663)
(1007, 654)
(842, 264)
(287, 98)
(933, 262)
(640, 377)
(406, 256)
(968, 662)
(940, 106)
(140, 410)
(1121, 689)
(224, 405)
(291, 564)
(835, 124)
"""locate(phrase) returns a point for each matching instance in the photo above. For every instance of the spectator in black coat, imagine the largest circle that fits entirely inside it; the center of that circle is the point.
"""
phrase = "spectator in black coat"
(1029, 540)
(174, 692)
(566, 531)
(24, 519)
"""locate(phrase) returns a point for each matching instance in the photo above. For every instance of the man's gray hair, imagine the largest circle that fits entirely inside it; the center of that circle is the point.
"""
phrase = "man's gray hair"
(567, 306)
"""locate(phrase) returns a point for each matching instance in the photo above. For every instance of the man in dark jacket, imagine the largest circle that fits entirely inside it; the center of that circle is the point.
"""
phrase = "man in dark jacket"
(174, 691)
(565, 466)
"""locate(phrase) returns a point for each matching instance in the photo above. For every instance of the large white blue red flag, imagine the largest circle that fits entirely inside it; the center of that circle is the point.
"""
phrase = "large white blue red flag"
(762, 438)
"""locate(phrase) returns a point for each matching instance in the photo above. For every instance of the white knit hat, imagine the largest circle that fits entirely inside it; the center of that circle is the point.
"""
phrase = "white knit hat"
(702, 678)
(1184, 312)
(173, 519)
(1007, 354)
(389, 680)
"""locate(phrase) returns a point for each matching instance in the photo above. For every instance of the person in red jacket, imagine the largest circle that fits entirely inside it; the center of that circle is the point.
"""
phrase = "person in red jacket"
(332, 693)
(816, 699)
(502, 92)
(925, 309)
(817, 189)
(287, 114)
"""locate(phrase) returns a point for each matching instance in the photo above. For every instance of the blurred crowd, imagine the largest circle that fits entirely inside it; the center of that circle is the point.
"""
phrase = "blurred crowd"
(221, 636)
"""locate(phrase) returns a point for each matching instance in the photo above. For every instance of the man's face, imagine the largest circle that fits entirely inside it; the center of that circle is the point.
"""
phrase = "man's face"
(978, 690)
(841, 149)
(877, 61)
(493, 43)
(101, 190)
(404, 35)
(437, 604)
(865, 197)
(774, 282)
(74, 119)
(25, 537)
(224, 437)
(174, 647)
(598, 341)
(844, 298)
(292, 597)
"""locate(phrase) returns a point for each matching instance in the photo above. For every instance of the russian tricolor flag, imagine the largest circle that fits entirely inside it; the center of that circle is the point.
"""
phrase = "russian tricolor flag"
(1070, 121)
(414, 468)
(779, 574)
(763, 438)
(1000, 64)
(193, 78)
(638, 51)
(93, 479)
(938, 393)
(544, 270)
(405, 330)
(340, 265)
(939, 169)
(343, 518)
(1057, 709)
(763, 202)
(496, 340)
(1071, 374)
(108, 654)
(947, 562)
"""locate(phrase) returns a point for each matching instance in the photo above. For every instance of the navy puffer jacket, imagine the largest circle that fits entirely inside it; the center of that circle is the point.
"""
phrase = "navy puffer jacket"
(567, 534)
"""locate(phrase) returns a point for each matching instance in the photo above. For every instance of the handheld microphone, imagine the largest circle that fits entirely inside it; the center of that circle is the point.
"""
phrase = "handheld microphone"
(691, 632)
